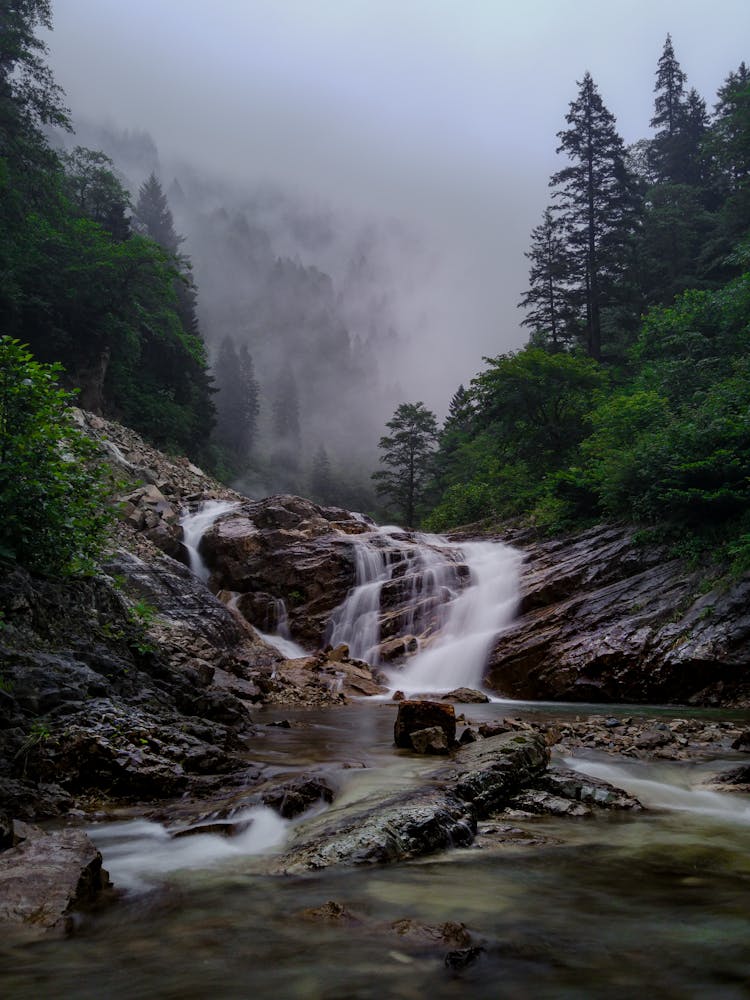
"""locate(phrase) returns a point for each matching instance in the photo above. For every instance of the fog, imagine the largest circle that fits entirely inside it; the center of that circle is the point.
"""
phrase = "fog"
(422, 130)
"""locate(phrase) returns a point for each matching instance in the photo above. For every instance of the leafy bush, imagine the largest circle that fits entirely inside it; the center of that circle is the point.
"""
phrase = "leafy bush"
(53, 512)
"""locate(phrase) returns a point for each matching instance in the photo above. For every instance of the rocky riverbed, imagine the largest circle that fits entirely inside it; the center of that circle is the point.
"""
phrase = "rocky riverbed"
(145, 683)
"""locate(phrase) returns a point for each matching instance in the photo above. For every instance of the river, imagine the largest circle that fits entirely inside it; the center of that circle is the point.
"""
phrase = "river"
(609, 906)
(617, 905)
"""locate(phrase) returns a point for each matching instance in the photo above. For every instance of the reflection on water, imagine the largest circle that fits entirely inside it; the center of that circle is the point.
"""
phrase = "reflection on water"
(653, 904)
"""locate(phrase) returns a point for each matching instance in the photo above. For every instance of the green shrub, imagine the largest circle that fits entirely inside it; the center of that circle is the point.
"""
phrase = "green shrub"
(53, 511)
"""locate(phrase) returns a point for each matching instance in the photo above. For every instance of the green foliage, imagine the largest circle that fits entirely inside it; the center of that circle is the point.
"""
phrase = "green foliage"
(53, 513)
(115, 309)
(407, 454)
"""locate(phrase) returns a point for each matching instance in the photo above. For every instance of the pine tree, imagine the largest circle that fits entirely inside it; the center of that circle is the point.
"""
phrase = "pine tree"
(285, 421)
(154, 217)
(237, 402)
(321, 479)
(596, 203)
(250, 399)
(668, 117)
(407, 452)
(546, 301)
(455, 432)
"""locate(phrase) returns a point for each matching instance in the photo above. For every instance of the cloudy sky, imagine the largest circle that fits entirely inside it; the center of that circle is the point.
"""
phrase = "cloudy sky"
(439, 112)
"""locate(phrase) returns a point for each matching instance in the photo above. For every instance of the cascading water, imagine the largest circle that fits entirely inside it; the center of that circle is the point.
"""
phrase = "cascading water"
(455, 600)
(195, 525)
(472, 621)
(281, 639)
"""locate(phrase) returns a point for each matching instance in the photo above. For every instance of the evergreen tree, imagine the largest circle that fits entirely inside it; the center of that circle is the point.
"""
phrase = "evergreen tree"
(94, 189)
(730, 144)
(250, 399)
(237, 403)
(321, 479)
(154, 217)
(596, 203)
(454, 433)
(285, 427)
(668, 117)
(29, 97)
(545, 301)
(407, 453)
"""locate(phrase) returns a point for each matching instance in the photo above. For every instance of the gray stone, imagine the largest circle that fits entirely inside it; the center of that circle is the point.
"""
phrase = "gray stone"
(46, 878)
(431, 741)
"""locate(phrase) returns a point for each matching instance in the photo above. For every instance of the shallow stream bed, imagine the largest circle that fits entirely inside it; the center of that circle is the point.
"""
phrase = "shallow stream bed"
(619, 905)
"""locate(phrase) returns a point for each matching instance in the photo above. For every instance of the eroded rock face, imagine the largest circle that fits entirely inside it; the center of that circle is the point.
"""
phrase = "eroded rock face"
(284, 548)
(605, 619)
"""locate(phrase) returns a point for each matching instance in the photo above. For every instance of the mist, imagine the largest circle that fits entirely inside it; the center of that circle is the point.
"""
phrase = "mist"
(403, 150)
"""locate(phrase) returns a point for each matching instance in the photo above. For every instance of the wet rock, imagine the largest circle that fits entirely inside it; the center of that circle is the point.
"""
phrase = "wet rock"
(582, 788)
(535, 800)
(297, 796)
(450, 933)
(463, 958)
(467, 736)
(331, 913)
(285, 547)
(606, 619)
(656, 737)
(466, 696)
(395, 649)
(488, 729)
(46, 878)
(490, 771)
(738, 779)
(443, 813)
(219, 828)
(742, 742)
(382, 831)
(417, 715)
(431, 741)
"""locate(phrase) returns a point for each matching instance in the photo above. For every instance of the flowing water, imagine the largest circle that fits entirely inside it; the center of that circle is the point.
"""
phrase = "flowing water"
(614, 906)
(460, 597)
(195, 525)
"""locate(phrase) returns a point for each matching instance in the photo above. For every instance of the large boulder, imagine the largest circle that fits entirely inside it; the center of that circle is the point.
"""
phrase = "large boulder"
(289, 549)
(46, 878)
(417, 716)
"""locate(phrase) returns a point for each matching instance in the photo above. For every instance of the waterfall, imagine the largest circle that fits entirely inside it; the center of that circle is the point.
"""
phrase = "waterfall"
(195, 525)
(471, 623)
(453, 599)
(281, 639)
(356, 621)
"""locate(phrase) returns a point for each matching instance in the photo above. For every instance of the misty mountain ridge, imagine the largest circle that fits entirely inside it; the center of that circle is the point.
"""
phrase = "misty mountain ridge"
(311, 294)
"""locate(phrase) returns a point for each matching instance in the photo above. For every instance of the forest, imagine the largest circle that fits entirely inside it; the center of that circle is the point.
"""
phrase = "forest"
(629, 402)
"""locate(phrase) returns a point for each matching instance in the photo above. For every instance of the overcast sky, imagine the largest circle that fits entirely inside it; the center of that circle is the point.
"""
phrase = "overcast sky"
(439, 112)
